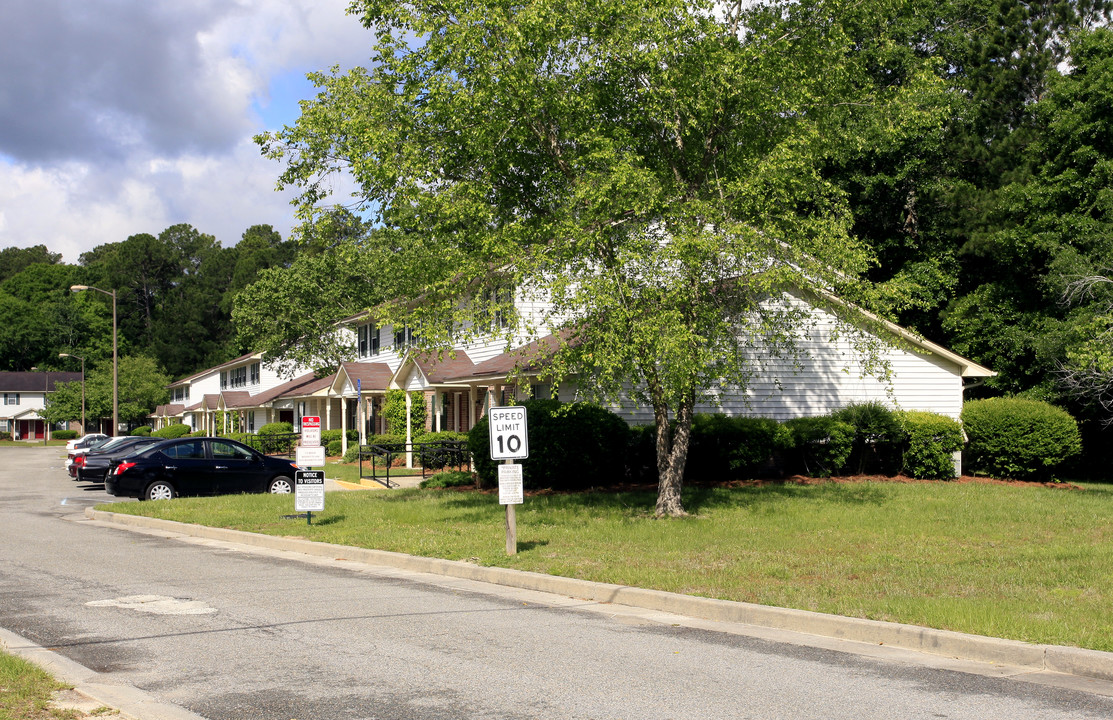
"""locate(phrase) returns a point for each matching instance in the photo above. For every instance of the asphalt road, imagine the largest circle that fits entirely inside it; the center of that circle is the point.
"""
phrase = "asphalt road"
(229, 632)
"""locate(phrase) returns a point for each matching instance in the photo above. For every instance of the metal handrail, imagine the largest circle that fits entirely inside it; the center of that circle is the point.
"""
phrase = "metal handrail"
(442, 453)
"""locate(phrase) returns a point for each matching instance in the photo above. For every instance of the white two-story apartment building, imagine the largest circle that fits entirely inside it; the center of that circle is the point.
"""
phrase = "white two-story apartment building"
(459, 385)
(24, 396)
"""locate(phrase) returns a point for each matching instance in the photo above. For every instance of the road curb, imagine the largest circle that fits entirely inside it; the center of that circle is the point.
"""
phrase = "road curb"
(130, 702)
(1067, 660)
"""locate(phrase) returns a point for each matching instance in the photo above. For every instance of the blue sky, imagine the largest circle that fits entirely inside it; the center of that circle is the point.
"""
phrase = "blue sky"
(120, 117)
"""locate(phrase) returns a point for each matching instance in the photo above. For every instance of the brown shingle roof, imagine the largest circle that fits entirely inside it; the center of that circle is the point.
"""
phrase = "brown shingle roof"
(35, 381)
(437, 370)
(527, 358)
(371, 376)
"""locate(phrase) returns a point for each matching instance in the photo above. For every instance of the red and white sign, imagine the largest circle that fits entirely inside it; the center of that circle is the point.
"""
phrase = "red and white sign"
(311, 431)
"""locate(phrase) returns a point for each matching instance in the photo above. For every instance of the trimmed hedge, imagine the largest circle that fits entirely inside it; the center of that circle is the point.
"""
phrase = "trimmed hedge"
(334, 448)
(1019, 438)
(931, 440)
(732, 447)
(878, 437)
(276, 428)
(572, 446)
(64, 434)
(327, 436)
(820, 446)
(172, 431)
(141, 431)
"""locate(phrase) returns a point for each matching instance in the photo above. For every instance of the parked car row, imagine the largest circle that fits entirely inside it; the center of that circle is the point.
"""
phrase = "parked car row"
(157, 469)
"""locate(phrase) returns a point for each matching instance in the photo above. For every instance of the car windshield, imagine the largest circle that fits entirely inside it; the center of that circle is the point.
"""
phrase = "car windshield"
(98, 442)
(115, 442)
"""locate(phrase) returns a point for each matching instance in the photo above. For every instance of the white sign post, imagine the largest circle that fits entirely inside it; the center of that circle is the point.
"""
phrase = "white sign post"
(510, 484)
(311, 431)
(509, 442)
(309, 493)
(307, 457)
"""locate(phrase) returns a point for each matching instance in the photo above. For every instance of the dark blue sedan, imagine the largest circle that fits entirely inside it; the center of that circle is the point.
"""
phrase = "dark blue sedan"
(198, 466)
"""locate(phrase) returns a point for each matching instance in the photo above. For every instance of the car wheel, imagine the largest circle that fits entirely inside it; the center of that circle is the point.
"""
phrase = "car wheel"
(160, 490)
(280, 486)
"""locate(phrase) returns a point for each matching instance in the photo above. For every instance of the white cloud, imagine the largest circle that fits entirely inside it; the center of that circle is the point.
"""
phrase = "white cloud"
(128, 116)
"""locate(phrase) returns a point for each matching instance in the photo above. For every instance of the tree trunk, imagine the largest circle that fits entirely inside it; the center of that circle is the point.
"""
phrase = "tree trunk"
(672, 455)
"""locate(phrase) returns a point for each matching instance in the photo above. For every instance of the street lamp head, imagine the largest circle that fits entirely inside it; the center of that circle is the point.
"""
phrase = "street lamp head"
(75, 288)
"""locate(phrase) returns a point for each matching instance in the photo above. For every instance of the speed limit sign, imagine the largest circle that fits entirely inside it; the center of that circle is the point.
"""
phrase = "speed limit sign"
(509, 440)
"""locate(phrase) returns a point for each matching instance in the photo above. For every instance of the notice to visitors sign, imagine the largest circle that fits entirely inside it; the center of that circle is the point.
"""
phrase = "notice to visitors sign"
(309, 491)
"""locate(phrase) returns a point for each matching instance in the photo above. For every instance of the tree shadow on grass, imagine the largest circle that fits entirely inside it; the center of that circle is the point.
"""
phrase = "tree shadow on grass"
(642, 501)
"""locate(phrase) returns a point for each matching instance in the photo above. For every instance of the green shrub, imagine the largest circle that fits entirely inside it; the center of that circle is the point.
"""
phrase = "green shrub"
(276, 428)
(352, 455)
(141, 431)
(172, 431)
(5, 435)
(198, 433)
(328, 436)
(930, 444)
(878, 438)
(453, 478)
(1018, 438)
(334, 448)
(819, 446)
(723, 447)
(641, 454)
(243, 437)
(64, 434)
(394, 412)
(571, 447)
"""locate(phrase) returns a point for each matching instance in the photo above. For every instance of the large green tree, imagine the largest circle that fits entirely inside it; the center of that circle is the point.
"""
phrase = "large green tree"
(142, 387)
(290, 313)
(651, 169)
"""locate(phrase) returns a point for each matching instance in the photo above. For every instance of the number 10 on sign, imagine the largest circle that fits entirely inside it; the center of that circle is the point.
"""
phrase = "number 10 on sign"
(509, 439)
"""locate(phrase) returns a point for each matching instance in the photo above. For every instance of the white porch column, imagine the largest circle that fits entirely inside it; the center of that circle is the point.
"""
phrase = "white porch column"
(409, 432)
(343, 425)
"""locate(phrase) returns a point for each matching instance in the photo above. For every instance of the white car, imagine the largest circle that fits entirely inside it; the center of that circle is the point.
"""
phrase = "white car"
(83, 441)
(80, 447)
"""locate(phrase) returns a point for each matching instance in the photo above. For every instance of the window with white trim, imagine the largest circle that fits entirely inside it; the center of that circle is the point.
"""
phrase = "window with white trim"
(11, 398)
(368, 340)
(404, 337)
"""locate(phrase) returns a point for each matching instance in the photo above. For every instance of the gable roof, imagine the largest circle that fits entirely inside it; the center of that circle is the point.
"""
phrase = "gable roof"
(35, 381)
(371, 376)
(435, 369)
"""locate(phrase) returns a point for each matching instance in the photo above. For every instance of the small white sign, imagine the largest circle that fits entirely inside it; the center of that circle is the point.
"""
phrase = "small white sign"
(309, 456)
(511, 487)
(311, 431)
(309, 491)
(509, 439)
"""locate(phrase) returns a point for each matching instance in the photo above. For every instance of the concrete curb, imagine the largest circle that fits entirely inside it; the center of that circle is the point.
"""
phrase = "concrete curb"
(978, 648)
(131, 702)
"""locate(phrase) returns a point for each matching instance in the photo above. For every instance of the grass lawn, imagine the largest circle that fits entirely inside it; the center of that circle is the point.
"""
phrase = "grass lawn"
(1023, 562)
(25, 691)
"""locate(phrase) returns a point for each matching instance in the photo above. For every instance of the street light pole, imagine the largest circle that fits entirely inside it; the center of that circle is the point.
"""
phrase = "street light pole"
(62, 355)
(115, 359)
